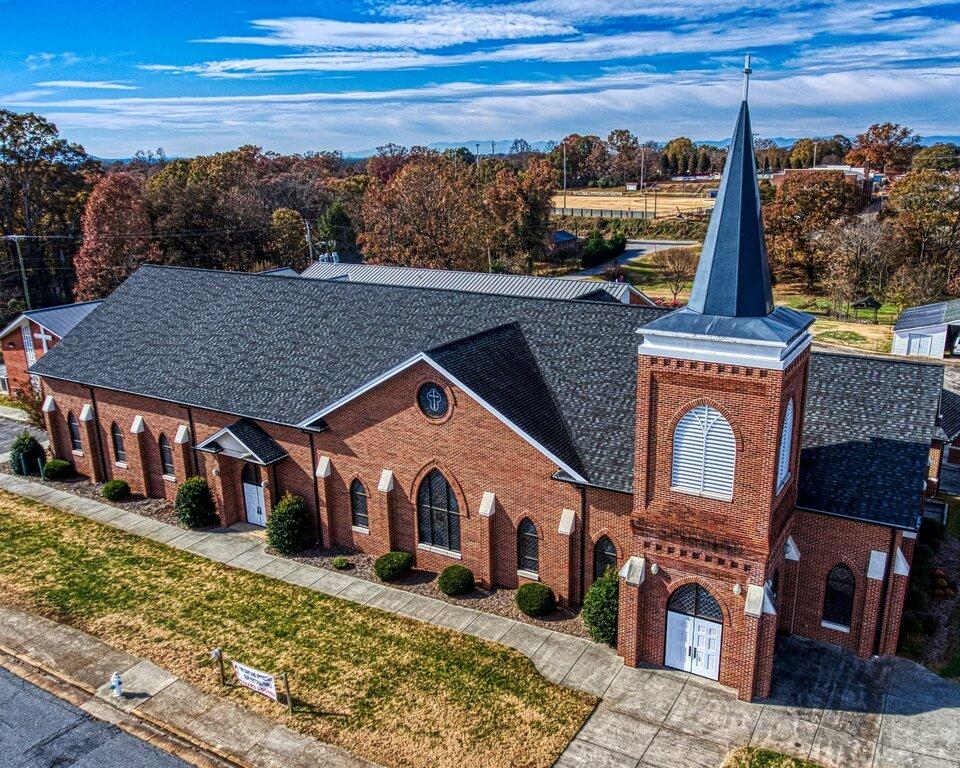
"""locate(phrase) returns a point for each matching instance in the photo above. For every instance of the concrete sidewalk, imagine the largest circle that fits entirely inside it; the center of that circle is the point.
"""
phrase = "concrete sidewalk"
(154, 695)
(559, 657)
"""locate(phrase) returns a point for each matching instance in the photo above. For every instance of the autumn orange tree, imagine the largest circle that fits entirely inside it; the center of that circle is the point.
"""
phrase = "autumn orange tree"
(116, 236)
(805, 204)
(884, 146)
(442, 213)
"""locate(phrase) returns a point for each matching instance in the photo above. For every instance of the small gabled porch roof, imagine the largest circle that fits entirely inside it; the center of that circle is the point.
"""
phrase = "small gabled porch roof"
(244, 440)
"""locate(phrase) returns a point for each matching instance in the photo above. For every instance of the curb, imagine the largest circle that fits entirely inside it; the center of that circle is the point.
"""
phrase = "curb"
(142, 726)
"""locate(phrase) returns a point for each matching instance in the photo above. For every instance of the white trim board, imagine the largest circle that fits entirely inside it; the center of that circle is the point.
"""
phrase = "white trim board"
(424, 358)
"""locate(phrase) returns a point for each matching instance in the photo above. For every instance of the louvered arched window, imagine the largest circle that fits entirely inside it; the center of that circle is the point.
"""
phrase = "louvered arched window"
(786, 447)
(704, 454)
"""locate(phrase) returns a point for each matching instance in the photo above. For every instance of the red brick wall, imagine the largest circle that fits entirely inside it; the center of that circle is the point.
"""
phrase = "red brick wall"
(15, 358)
(824, 542)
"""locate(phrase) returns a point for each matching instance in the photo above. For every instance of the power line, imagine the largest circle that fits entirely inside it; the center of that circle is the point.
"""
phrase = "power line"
(134, 236)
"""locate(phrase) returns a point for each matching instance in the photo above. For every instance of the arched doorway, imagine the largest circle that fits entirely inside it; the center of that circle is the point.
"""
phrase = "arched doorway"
(253, 495)
(694, 631)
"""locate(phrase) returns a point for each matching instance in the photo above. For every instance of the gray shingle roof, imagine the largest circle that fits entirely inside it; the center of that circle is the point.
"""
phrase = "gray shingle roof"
(61, 319)
(949, 414)
(866, 436)
(260, 444)
(475, 282)
(280, 350)
(928, 314)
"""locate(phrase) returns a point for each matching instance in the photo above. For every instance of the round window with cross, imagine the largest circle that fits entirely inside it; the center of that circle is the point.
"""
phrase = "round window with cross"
(433, 401)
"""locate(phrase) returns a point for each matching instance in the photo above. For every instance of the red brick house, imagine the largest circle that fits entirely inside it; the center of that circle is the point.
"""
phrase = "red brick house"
(31, 335)
(741, 483)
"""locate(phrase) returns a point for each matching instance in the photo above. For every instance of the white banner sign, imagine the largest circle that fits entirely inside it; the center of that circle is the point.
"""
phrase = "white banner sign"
(255, 680)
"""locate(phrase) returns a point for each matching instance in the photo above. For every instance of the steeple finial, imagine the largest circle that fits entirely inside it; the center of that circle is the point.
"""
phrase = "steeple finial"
(746, 76)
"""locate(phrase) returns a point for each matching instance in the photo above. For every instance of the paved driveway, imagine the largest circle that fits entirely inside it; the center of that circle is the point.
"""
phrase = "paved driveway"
(635, 249)
(9, 429)
(827, 706)
(38, 730)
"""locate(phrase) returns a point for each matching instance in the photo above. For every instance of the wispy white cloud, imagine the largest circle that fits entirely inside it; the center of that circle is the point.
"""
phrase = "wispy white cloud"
(102, 85)
(46, 59)
(423, 28)
(698, 103)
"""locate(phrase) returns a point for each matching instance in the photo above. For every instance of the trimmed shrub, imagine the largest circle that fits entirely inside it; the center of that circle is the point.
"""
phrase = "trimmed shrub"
(26, 454)
(115, 490)
(599, 610)
(536, 599)
(340, 562)
(289, 527)
(194, 504)
(456, 580)
(393, 565)
(56, 469)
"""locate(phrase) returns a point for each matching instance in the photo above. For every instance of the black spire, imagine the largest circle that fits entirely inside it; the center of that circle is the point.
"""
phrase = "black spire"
(733, 276)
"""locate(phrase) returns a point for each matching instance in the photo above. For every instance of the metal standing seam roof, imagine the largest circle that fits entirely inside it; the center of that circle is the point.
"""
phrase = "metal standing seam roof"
(928, 314)
(280, 350)
(59, 320)
(473, 282)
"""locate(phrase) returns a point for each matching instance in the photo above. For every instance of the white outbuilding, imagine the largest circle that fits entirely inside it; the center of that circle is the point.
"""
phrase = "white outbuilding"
(931, 330)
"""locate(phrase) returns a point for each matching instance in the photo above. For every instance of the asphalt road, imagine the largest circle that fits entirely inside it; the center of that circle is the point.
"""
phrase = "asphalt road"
(38, 730)
(635, 250)
(9, 429)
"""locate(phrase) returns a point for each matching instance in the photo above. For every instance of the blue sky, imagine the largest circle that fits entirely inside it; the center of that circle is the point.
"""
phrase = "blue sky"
(298, 75)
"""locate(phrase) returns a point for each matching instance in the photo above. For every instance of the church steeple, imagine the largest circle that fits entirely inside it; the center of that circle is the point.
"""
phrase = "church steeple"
(733, 277)
(731, 315)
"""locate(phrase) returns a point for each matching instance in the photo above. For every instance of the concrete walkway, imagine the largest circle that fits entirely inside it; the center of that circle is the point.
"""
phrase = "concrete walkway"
(559, 657)
(158, 697)
(826, 706)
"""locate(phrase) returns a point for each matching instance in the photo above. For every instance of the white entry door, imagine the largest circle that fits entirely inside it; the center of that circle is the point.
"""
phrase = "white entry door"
(253, 499)
(253, 495)
(693, 645)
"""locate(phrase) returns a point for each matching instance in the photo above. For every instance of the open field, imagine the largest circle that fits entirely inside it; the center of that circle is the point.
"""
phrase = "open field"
(393, 690)
(665, 203)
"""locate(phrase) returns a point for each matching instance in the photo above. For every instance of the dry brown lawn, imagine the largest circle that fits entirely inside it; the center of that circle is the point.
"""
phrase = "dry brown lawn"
(389, 689)
(667, 204)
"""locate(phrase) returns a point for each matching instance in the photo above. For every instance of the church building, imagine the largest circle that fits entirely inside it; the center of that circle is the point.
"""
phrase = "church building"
(742, 484)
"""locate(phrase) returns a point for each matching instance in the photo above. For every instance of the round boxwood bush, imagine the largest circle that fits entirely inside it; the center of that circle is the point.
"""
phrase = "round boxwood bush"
(536, 599)
(393, 565)
(289, 527)
(340, 562)
(56, 469)
(26, 454)
(600, 608)
(194, 504)
(456, 580)
(115, 490)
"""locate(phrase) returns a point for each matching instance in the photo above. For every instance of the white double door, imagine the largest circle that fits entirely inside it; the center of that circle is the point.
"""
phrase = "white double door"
(693, 644)
(253, 501)
(919, 345)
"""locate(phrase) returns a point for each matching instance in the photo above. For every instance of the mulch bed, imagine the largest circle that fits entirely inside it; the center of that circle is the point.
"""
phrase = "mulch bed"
(498, 601)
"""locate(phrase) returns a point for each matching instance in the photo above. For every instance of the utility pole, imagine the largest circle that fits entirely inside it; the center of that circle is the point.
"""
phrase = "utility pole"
(478, 154)
(23, 271)
(643, 157)
(493, 148)
(816, 146)
(564, 176)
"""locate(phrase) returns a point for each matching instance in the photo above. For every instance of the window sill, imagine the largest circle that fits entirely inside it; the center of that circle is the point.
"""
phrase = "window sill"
(75, 452)
(170, 478)
(360, 529)
(835, 627)
(702, 494)
(440, 551)
(528, 575)
(121, 464)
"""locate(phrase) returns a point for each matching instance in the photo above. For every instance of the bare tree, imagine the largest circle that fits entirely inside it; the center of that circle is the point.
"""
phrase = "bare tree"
(677, 267)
